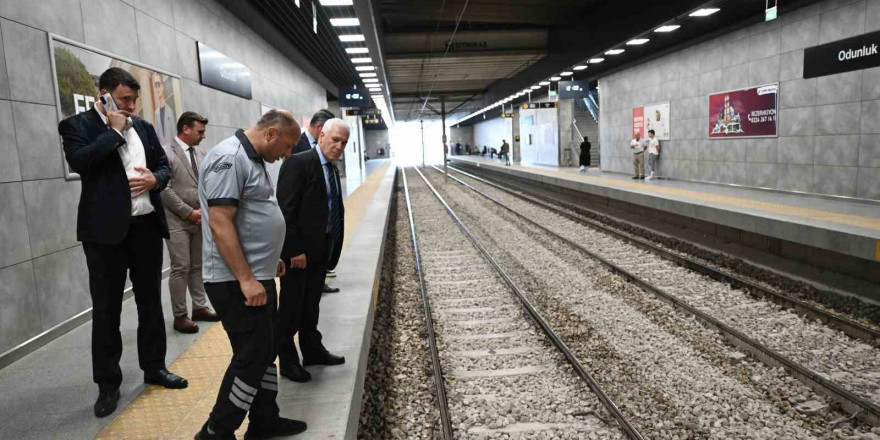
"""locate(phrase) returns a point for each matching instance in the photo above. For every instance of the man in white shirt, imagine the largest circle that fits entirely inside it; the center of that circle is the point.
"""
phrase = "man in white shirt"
(653, 153)
(184, 213)
(121, 223)
(638, 145)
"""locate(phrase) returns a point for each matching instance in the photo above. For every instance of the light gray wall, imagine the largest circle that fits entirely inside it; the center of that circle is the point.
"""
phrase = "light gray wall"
(376, 139)
(465, 135)
(43, 275)
(827, 140)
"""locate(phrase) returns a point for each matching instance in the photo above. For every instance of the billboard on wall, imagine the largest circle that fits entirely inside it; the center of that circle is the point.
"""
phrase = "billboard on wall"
(652, 117)
(742, 113)
(77, 70)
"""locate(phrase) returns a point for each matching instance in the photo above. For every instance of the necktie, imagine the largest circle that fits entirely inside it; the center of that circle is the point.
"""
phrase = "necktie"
(192, 162)
(335, 220)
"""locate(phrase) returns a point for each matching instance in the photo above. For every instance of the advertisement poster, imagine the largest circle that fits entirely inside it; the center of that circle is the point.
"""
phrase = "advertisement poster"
(77, 70)
(652, 117)
(744, 113)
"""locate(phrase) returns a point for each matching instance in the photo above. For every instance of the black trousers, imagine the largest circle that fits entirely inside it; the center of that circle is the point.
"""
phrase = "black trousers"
(140, 256)
(250, 384)
(299, 309)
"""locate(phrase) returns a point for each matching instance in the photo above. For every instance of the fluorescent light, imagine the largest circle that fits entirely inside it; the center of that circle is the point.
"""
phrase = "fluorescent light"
(364, 68)
(367, 74)
(340, 22)
(581, 67)
(374, 87)
(614, 52)
(667, 28)
(357, 50)
(555, 78)
(347, 38)
(336, 2)
(362, 60)
(371, 80)
(536, 87)
(566, 73)
(704, 12)
(596, 60)
(636, 41)
(544, 83)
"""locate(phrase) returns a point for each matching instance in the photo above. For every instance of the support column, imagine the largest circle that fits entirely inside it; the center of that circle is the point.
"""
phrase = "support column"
(443, 118)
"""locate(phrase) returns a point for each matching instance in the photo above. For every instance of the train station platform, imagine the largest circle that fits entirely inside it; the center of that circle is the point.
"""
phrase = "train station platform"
(834, 233)
(48, 394)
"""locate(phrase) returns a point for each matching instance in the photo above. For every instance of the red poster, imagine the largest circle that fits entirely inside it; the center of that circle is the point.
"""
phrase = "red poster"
(744, 113)
(638, 121)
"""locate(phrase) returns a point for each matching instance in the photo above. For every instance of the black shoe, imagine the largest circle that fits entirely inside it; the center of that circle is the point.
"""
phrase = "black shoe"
(165, 378)
(635, 177)
(279, 427)
(205, 435)
(296, 373)
(324, 359)
(106, 403)
(328, 289)
(642, 177)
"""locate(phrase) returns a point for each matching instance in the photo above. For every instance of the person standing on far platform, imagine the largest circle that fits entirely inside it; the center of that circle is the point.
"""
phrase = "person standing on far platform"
(121, 223)
(653, 153)
(637, 145)
(585, 155)
(242, 235)
(181, 199)
(505, 152)
(309, 193)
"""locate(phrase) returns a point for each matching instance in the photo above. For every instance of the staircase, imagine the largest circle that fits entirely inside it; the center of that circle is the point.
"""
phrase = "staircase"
(588, 126)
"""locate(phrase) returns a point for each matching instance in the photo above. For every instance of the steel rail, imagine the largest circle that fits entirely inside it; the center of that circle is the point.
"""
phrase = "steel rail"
(861, 408)
(606, 401)
(851, 328)
(439, 382)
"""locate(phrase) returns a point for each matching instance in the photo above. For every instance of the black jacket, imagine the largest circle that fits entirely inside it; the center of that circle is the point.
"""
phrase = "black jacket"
(105, 200)
(585, 154)
(303, 145)
(302, 195)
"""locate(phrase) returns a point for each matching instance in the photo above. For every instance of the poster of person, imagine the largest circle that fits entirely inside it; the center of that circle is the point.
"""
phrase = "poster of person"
(652, 117)
(748, 112)
(77, 70)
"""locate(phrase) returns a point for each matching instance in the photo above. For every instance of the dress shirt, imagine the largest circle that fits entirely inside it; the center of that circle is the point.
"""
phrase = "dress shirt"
(326, 171)
(133, 155)
(186, 149)
(312, 141)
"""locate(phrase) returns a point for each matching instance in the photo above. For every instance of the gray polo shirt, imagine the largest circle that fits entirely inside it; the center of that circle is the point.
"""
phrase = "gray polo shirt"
(233, 174)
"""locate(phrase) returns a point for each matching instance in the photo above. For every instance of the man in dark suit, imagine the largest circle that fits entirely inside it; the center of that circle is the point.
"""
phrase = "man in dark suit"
(309, 194)
(307, 141)
(121, 223)
(309, 137)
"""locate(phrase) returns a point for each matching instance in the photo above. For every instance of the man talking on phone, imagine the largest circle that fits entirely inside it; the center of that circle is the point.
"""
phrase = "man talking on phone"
(121, 223)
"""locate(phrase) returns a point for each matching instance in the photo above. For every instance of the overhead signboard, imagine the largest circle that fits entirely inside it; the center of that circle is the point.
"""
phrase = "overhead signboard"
(859, 52)
(742, 113)
(508, 115)
(573, 89)
(220, 72)
(356, 98)
(533, 105)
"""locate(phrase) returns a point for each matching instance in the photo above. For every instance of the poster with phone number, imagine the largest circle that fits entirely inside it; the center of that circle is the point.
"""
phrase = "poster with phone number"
(77, 70)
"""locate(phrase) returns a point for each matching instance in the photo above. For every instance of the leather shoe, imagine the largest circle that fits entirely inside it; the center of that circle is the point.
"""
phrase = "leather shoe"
(106, 403)
(279, 427)
(165, 379)
(325, 358)
(296, 373)
(204, 434)
(183, 324)
(328, 289)
(206, 315)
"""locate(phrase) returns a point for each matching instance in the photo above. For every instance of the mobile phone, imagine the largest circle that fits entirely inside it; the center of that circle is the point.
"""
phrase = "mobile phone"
(109, 104)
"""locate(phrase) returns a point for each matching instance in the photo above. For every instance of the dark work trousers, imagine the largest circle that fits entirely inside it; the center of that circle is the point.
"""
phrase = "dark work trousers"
(138, 255)
(251, 380)
(301, 291)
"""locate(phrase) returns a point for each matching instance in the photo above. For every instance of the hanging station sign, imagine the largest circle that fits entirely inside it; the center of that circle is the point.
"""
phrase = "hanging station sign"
(859, 52)
(573, 89)
(534, 105)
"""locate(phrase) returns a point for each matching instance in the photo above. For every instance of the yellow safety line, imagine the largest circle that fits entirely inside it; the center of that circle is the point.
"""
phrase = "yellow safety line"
(777, 208)
(159, 413)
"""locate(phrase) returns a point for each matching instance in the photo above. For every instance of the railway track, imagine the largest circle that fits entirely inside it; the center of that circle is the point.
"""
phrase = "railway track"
(495, 366)
(846, 368)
